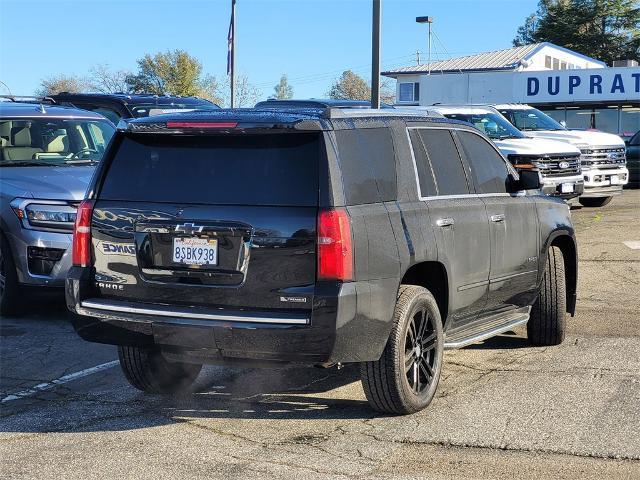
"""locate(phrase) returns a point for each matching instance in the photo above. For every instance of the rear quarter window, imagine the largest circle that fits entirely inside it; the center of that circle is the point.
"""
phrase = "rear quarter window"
(268, 169)
(367, 161)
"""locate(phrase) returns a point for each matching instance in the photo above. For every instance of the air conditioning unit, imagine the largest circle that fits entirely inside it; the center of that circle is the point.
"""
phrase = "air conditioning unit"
(625, 63)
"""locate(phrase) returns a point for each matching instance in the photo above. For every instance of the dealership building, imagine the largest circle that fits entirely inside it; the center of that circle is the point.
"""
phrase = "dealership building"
(577, 90)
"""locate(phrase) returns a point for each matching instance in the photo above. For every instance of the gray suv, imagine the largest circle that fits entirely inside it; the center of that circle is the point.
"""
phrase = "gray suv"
(340, 235)
(47, 156)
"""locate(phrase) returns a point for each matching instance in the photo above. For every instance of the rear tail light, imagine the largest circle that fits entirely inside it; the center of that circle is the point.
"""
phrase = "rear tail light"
(82, 235)
(335, 248)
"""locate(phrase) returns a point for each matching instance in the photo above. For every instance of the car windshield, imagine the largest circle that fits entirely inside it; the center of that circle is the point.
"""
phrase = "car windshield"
(52, 141)
(495, 126)
(150, 109)
(533, 119)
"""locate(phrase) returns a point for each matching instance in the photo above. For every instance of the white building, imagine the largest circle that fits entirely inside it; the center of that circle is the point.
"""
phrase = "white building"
(573, 88)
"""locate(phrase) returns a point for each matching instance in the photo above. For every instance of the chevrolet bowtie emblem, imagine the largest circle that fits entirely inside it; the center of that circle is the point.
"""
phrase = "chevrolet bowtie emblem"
(189, 228)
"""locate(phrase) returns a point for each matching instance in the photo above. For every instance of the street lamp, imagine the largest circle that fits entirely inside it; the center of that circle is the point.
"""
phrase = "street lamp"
(429, 21)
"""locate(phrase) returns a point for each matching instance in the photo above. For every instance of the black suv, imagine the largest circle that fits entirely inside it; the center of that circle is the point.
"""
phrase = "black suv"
(118, 106)
(314, 236)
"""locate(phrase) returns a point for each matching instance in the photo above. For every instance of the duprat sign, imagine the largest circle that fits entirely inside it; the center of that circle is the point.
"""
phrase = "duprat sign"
(589, 85)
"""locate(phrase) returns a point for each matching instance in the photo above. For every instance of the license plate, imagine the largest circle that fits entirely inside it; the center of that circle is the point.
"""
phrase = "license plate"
(195, 251)
(567, 187)
(615, 180)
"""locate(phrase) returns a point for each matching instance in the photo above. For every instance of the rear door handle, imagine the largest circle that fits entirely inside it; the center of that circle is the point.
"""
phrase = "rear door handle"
(497, 218)
(444, 222)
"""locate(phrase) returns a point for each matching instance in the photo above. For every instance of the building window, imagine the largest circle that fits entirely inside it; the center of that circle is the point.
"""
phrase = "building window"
(409, 92)
(556, 64)
(629, 120)
(547, 61)
(563, 65)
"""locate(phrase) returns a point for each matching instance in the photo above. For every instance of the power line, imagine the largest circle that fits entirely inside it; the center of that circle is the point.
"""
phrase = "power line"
(317, 77)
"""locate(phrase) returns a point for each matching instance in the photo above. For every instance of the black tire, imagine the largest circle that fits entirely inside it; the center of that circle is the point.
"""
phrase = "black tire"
(547, 322)
(595, 202)
(147, 370)
(9, 287)
(389, 385)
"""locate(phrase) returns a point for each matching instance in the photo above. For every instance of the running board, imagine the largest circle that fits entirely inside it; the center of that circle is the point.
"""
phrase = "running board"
(464, 338)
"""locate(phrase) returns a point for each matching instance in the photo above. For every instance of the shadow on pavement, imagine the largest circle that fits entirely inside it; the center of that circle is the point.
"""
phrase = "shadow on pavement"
(111, 405)
(505, 341)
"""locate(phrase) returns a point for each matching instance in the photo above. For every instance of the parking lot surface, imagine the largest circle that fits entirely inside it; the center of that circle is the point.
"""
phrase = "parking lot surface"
(503, 409)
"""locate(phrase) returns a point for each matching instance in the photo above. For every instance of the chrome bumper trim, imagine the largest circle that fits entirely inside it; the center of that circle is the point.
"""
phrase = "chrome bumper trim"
(188, 313)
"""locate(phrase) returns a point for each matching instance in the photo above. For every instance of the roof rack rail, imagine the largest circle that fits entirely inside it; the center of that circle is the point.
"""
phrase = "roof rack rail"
(28, 99)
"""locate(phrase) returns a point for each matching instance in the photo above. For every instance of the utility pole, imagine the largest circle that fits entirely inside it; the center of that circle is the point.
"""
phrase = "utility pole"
(429, 21)
(375, 55)
(417, 57)
(231, 56)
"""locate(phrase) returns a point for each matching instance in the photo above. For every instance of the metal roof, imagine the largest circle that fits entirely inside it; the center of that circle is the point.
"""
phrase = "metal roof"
(507, 59)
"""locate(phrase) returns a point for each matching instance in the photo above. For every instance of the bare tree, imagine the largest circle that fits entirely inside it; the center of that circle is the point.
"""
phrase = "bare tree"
(104, 80)
(247, 94)
(62, 83)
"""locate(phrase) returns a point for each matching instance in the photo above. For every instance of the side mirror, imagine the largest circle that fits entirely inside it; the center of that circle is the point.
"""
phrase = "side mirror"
(528, 180)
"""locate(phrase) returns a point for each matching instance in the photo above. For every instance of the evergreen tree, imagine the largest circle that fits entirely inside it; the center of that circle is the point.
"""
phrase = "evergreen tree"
(604, 29)
(283, 91)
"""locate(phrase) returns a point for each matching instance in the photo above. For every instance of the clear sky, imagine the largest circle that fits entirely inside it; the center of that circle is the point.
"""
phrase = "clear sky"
(312, 41)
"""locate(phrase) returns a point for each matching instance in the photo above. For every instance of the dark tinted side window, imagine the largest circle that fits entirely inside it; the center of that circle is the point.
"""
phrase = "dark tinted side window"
(269, 169)
(445, 161)
(423, 166)
(368, 165)
(488, 169)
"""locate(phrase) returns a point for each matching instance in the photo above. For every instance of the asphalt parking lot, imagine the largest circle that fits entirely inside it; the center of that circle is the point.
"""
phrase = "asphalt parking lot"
(503, 409)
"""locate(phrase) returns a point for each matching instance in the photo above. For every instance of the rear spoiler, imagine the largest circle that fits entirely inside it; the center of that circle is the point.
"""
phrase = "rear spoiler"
(201, 127)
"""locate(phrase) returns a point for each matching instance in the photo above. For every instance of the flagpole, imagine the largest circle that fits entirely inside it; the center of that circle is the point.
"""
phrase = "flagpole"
(232, 66)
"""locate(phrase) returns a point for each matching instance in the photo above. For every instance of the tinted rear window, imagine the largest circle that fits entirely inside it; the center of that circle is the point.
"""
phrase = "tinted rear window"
(268, 169)
(368, 165)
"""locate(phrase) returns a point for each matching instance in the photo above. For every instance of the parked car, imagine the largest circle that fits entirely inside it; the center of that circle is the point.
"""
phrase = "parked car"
(633, 161)
(341, 235)
(603, 155)
(47, 156)
(557, 162)
(118, 106)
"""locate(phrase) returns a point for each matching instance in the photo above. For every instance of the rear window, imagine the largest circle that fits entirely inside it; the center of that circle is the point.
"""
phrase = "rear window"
(267, 169)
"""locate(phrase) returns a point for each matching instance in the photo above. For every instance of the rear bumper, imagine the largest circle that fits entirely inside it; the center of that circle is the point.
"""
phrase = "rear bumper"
(333, 331)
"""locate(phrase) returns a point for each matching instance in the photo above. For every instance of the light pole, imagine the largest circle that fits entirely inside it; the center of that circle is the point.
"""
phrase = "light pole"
(429, 21)
(375, 55)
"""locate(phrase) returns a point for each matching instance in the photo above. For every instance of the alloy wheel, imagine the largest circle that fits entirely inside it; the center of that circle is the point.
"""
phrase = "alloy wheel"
(420, 351)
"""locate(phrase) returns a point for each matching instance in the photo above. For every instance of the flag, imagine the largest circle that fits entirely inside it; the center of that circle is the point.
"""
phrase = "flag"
(230, 43)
